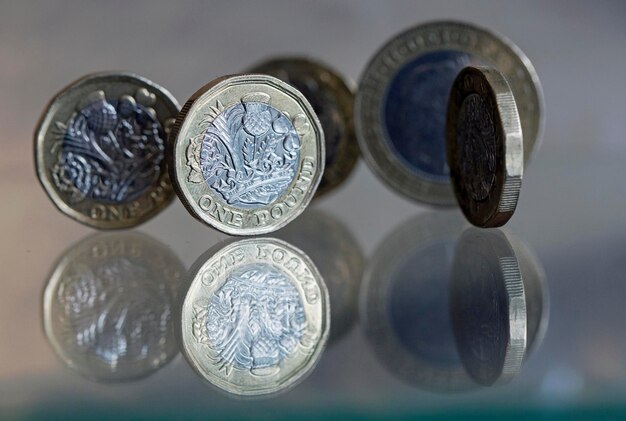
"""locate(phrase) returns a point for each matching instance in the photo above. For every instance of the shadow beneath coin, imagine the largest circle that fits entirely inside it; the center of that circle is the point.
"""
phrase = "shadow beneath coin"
(107, 306)
(450, 309)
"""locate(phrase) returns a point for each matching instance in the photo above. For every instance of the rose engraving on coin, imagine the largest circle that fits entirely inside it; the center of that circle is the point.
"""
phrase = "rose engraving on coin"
(332, 99)
(485, 146)
(100, 149)
(400, 106)
(108, 306)
(256, 318)
(247, 154)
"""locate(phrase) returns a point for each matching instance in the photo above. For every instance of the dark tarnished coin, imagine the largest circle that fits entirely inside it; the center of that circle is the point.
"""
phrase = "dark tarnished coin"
(488, 306)
(333, 100)
(248, 154)
(484, 142)
(400, 106)
(255, 319)
(108, 306)
(100, 149)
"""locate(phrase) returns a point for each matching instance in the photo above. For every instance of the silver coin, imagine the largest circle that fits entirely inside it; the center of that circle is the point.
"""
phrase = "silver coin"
(100, 149)
(484, 144)
(108, 306)
(248, 154)
(488, 307)
(255, 319)
(400, 106)
(333, 102)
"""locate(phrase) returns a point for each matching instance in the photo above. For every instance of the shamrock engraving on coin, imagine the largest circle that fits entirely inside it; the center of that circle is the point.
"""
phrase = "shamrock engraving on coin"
(255, 319)
(485, 146)
(488, 305)
(100, 149)
(248, 154)
(332, 100)
(108, 306)
(400, 106)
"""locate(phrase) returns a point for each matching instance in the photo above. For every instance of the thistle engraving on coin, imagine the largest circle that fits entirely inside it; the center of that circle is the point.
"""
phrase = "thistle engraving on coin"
(400, 106)
(108, 306)
(100, 149)
(247, 154)
(485, 146)
(332, 99)
(255, 319)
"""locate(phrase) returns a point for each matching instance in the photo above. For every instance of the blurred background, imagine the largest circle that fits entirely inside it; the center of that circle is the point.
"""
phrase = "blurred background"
(571, 212)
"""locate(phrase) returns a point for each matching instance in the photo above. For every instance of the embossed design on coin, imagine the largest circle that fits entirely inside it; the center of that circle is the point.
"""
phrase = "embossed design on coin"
(100, 148)
(400, 107)
(485, 146)
(247, 155)
(255, 319)
(109, 150)
(332, 100)
(108, 306)
(476, 143)
(249, 152)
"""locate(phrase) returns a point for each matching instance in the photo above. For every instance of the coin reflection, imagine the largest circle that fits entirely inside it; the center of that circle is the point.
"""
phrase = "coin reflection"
(255, 318)
(108, 303)
(338, 256)
(430, 323)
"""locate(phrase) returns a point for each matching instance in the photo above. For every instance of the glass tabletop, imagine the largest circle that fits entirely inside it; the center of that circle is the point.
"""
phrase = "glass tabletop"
(426, 312)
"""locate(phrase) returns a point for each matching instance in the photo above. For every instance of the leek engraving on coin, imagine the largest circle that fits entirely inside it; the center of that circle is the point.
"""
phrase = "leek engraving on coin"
(253, 321)
(249, 152)
(109, 150)
(476, 143)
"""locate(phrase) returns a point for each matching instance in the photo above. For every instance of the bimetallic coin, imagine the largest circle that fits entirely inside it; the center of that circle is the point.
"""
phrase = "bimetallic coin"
(248, 154)
(484, 142)
(108, 306)
(400, 106)
(255, 319)
(100, 149)
(332, 100)
(488, 307)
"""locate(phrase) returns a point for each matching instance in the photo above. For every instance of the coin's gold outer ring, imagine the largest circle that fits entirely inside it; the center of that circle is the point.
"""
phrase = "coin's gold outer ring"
(483, 44)
(312, 148)
(100, 80)
(196, 354)
(342, 90)
(498, 207)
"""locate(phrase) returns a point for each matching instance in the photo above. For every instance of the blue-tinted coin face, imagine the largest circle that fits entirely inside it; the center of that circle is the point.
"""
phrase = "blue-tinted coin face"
(414, 109)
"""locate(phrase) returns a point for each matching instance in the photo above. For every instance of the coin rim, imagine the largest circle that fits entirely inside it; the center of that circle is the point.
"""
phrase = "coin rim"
(195, 363)
(178, 173)
(39, 153)
(375, 149)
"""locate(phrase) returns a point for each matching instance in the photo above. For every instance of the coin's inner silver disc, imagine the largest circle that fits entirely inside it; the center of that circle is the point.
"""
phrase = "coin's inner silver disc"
(110, 150)
(250, 153)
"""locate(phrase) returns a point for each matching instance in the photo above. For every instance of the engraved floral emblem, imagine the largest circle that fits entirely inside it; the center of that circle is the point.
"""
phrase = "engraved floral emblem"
(253, 321)
(248, 152)
(113, 313)
(110, 150)
(476, 138)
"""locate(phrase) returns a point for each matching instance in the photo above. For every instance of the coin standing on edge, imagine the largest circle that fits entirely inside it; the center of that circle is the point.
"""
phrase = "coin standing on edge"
(485, 146)
(256, 317)
(332, 100)
(100, 149)
(248, 154)
(400, 106)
